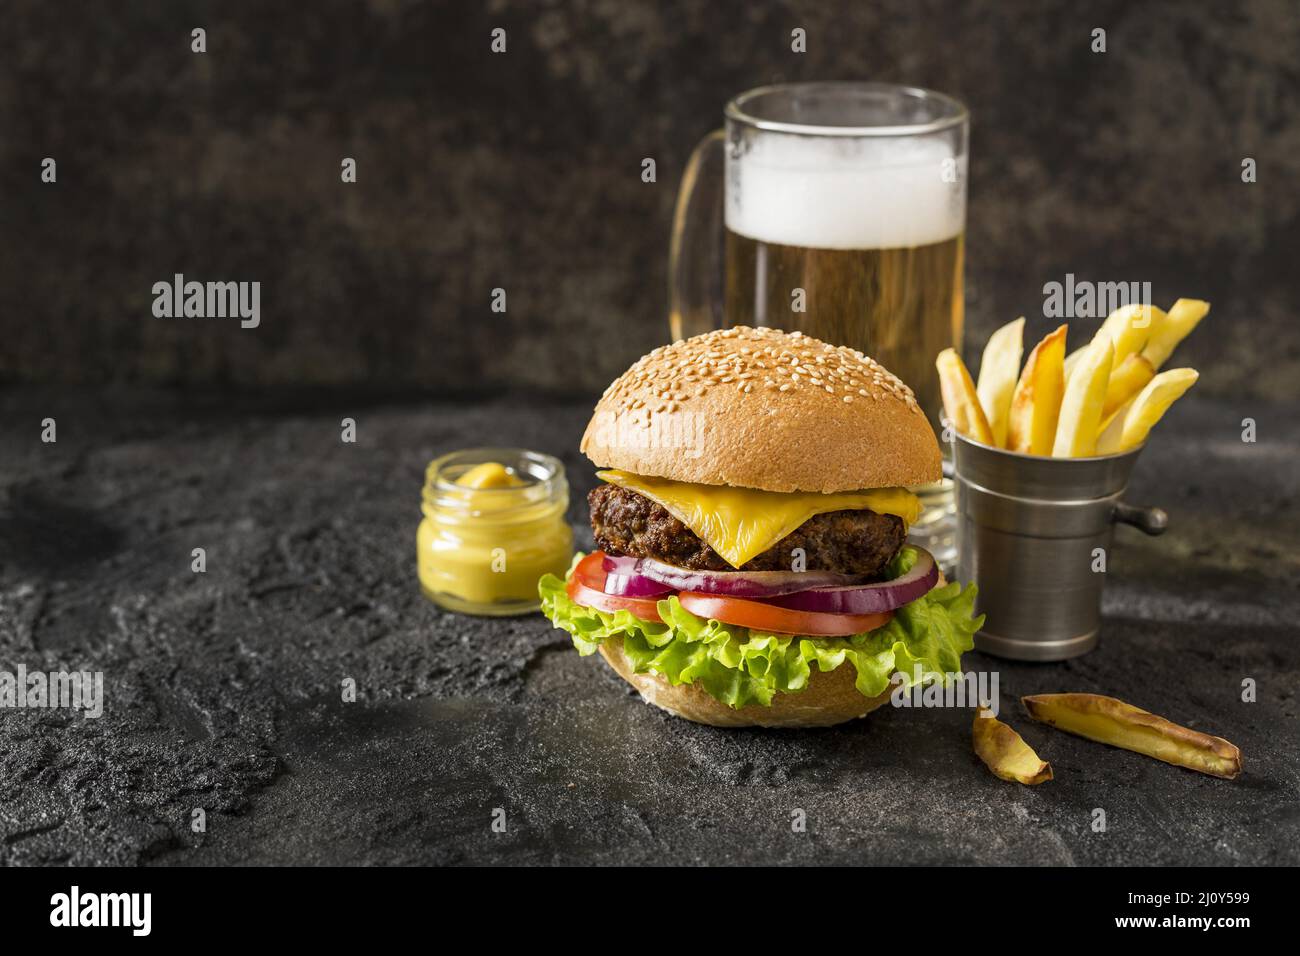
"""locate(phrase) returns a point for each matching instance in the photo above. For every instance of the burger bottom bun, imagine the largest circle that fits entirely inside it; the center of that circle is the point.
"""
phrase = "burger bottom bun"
(830, 698)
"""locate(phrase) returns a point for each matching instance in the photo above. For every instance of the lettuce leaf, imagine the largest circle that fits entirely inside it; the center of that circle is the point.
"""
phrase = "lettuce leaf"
(741, 666)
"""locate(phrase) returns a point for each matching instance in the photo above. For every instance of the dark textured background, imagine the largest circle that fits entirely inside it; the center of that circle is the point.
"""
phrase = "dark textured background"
(223, 689)
(522, 171)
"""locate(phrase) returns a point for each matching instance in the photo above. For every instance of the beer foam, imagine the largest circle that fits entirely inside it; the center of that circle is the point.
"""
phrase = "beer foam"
(846, 193)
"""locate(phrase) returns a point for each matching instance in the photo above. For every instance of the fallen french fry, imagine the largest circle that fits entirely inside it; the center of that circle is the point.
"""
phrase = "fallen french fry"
(1005, 753)
(1152, 402)
(1183, 316)
(999, 369)
(960, 400)
(1110, 721)
(1085, 393)
(1127, 378)
(1036, 402)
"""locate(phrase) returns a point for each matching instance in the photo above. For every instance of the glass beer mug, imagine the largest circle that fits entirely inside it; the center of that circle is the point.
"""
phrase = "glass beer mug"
(838, 210)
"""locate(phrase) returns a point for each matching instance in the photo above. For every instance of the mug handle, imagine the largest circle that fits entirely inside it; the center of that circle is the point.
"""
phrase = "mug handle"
(696, 252)
(1151, 520)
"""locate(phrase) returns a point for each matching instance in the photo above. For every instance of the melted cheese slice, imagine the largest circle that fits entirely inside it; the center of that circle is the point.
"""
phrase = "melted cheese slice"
(741, 523)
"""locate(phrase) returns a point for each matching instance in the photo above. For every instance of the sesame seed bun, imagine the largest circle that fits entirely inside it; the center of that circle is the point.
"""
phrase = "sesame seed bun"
(761, 408)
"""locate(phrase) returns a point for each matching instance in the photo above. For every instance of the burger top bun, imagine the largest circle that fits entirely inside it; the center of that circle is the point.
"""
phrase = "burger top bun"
(762, 408)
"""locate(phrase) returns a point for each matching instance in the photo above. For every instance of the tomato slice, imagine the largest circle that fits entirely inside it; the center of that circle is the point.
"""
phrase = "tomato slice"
(768, 617)
(590, 571)
(586, 587)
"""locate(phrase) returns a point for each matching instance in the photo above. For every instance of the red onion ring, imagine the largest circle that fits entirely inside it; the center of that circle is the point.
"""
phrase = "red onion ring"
(867, 598)
(634, 585)
(741, 584)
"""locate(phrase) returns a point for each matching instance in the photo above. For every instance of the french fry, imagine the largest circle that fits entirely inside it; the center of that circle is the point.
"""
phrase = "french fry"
(999, 369)
(1112, 430)
(1134, 397)
(1130, 327)
(1085, 393)
(1152, 402)
(1072, 360)
(1005, 753)
(1110, 721)
(960, 400)
(1183, 316)
(1036, 402)
(1127, 378)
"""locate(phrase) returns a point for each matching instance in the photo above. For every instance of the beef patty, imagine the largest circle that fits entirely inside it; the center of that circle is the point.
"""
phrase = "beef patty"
(850, 542)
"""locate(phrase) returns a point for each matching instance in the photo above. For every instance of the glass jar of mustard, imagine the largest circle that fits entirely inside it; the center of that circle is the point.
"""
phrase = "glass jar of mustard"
(494, 522)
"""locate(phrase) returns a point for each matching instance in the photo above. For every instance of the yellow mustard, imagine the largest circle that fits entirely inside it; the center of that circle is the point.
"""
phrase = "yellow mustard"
(494, 522)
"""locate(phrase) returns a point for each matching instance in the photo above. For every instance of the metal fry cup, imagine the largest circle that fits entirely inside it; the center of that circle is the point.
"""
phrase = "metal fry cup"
(1028, 533)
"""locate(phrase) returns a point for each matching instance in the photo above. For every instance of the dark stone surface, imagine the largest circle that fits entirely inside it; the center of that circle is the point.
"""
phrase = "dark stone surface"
(223, 689)
(523, 171)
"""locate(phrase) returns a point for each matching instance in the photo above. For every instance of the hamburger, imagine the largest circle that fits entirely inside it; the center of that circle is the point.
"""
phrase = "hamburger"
(752, 567)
